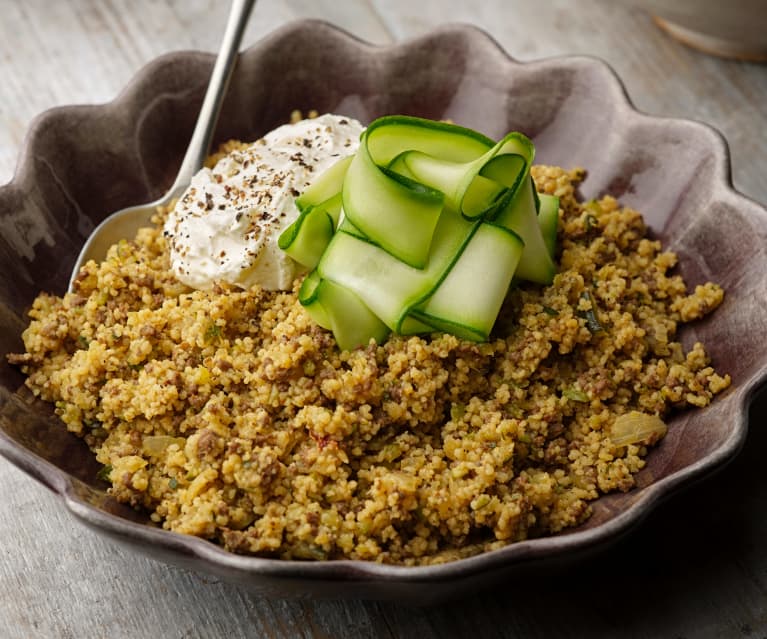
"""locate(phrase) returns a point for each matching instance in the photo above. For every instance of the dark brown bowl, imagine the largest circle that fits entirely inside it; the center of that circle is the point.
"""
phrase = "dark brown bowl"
(82, 162)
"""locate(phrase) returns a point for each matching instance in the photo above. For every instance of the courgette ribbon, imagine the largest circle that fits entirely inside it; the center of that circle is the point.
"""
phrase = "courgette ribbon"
(422, 229)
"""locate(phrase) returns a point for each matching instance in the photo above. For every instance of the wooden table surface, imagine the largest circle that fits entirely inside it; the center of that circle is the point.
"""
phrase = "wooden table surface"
(696, 568)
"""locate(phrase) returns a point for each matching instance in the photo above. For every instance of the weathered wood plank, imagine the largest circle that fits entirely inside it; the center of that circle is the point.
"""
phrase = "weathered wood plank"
(662, 76)
(86, 51)
(60, 580)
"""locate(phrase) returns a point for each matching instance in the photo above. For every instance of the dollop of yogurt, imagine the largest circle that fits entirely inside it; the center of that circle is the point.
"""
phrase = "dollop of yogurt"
(225, 226)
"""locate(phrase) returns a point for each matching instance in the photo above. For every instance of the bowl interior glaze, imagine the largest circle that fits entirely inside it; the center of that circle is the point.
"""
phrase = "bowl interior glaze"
(82, 162)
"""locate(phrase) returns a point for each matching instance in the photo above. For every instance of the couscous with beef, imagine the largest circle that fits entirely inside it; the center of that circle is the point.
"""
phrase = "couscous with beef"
(229, 414)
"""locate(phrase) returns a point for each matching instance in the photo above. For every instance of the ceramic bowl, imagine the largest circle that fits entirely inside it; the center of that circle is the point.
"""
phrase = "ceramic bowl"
(82, 162)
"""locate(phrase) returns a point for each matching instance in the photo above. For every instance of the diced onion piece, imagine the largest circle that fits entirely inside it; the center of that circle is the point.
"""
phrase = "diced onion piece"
(635, 427)
(156, 444)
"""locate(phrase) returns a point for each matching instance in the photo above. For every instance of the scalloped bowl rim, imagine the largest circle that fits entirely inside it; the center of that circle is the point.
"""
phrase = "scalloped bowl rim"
(541, 548)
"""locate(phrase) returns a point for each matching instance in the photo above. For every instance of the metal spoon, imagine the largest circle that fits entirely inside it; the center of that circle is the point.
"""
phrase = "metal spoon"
(125, 223)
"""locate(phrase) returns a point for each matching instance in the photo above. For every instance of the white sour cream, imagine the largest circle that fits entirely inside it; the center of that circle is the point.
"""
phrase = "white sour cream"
(225, 226)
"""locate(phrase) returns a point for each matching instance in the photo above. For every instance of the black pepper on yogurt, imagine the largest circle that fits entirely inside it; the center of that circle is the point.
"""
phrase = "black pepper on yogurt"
(226, 225)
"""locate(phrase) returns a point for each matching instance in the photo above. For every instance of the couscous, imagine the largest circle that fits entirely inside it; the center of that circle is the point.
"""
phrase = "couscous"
(230, 415)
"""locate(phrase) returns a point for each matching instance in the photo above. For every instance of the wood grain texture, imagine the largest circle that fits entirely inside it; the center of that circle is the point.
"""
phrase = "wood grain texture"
(697, 568)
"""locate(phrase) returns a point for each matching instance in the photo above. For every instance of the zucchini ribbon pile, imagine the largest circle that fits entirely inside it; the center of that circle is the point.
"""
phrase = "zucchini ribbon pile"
(421, 230)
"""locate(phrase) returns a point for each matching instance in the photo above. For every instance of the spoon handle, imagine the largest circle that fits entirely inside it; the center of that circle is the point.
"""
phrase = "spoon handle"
(214, 96)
